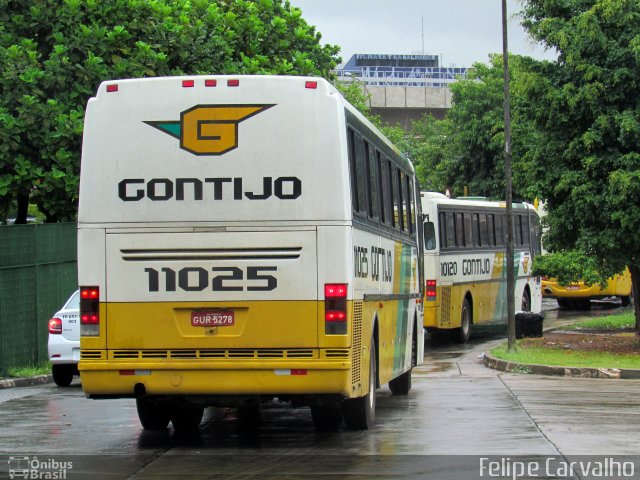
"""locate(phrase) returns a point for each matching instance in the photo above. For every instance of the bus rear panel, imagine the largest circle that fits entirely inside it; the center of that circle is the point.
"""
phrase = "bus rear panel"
(216, 247)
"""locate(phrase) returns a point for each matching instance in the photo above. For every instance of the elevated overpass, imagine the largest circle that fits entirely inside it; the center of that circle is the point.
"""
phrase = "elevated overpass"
(403, 100)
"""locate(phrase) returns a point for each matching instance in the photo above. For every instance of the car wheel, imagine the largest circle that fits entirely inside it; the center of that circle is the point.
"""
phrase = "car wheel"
(359, 413)
(152, 416)
(62, 374)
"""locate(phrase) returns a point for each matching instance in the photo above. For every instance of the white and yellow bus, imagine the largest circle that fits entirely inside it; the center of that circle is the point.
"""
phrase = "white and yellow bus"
(244, 238)
(465, 262)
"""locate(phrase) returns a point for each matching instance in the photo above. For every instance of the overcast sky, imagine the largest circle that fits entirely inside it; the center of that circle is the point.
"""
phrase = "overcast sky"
(462, 31)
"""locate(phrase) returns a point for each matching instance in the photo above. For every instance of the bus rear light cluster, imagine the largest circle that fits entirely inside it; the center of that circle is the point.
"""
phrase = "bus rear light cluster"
(335, 308)
(89, 311)
(431, 290)
(210, 82)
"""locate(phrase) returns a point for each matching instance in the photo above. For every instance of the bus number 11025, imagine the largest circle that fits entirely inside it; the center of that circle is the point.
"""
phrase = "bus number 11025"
(218, 279)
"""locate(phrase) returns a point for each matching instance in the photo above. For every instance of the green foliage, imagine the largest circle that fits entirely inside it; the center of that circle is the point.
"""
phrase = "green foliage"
(27, 371)
(353, 93)
(569, 266)
(466, 149)
(54, 54)
(586, 106)
(612, 322)
(533, 352)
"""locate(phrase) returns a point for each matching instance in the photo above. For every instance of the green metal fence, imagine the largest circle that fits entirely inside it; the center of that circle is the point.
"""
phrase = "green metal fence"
(37, 274)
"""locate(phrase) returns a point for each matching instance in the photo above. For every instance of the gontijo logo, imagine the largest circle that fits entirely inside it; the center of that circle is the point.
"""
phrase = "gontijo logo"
(209, 129)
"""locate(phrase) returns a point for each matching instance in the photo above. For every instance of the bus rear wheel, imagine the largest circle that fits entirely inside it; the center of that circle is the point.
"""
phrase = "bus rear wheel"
(186, 419)
(326, 417)
(402, 384)
(359, 413)
(152, 416)
(464, 331)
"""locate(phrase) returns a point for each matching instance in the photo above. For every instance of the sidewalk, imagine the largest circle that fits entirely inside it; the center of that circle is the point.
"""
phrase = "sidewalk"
(560, 371)
(25, 382)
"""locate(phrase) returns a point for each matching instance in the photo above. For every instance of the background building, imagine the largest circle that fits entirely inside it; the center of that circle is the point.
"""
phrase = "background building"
(400, 70)
(402, 88)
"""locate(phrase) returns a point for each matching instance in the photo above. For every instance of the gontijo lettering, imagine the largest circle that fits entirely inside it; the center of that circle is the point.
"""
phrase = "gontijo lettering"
(163, 189)
(470, 266)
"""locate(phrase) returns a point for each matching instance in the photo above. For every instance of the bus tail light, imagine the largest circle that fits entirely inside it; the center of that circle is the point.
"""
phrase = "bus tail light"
(89, 311)
(335, 308)
(55, 326)
(431, 290)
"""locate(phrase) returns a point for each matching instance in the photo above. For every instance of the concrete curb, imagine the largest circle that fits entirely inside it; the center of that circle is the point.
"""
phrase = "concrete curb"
(25, 382)
(558, 371)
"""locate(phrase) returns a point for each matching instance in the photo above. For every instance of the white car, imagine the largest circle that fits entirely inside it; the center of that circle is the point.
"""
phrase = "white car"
(64, 341)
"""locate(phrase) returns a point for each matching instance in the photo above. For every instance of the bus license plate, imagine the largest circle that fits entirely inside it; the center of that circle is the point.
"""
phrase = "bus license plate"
(212, 319)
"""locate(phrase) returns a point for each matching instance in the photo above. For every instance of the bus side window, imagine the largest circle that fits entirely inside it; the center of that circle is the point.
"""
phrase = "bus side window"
(451, 230)
(381, 188)
(360, 174)
(468, 230)
(517, 234)
(372, 184)
(393, 198)
(484, 233)
(525, 230)
(499, 230)
(399, 202)
(429, 236)
(409, 210)
(534, 224)
(459, 230)
(491, 227)
(477, 239)
(352, 165)
(442, 228)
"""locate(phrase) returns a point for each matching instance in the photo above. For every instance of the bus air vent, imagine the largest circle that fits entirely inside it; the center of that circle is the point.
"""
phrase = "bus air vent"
(356, 342)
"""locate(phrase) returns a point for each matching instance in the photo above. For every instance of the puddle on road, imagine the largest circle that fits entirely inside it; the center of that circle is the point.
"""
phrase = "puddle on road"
(428, 368)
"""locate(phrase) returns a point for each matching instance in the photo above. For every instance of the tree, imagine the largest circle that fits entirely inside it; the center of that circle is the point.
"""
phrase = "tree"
(586, 106)
(54, 54)
(466, 149)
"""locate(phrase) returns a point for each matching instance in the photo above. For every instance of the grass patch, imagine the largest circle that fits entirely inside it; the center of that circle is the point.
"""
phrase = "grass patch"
(610, 322)
(537, 355)
(42, 368)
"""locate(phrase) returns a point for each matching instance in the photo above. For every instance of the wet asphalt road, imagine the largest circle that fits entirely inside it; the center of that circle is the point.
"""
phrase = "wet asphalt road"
(456, 407)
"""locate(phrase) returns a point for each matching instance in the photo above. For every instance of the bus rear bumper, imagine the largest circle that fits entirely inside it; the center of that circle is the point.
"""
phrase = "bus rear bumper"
(126, 379)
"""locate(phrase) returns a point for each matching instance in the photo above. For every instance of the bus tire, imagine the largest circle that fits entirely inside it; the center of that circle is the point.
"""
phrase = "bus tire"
(401, 385)
(464, 331)
(186, 419)
(326, 417)
(62, 374)
(625, 300)
(151, 415)
(250, 416)
(564, 303)
(359, 413)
